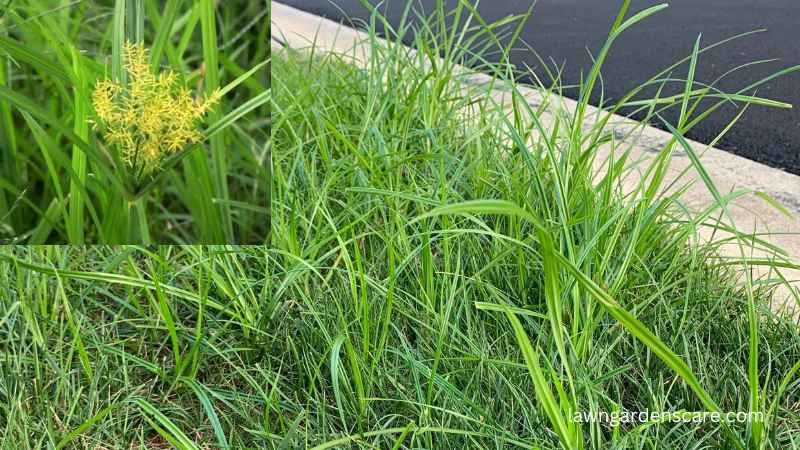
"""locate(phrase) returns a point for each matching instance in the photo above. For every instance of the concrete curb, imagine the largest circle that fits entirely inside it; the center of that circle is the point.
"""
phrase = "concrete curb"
(298, 29)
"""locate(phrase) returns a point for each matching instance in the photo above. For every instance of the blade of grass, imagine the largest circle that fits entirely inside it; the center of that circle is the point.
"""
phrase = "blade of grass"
(83, 355)
(10, 169)
(169, 321)
(113, 279)
(75, 222)
(208, 407)
(69, 437)
(236, 114)
(118, 39)
(566, 434)
(164, 426)
(164, 30)
(211, 64)
(21, 53)
(753, 348)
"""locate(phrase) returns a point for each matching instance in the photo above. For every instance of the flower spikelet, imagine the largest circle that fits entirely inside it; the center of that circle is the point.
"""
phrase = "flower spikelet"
(150, 117)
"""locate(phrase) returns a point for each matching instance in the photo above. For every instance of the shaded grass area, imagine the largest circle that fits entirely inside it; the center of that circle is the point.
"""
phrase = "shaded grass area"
(457, 275)
(61, 182)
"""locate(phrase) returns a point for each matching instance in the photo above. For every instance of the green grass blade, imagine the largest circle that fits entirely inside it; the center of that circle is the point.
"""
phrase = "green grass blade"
(169, 321)
(208, 407)
(244, 77)
(21, 53)
(10, 168)
(118, 40)
(102, 163)
(236, 114)
(75, 222)
(83, 355)
(80, 429)
(163, 33)
(164, 426)
(211, 64)
(541, 386)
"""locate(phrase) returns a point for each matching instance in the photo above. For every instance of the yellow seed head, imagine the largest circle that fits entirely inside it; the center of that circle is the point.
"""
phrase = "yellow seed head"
(103, 99)
(151, 116)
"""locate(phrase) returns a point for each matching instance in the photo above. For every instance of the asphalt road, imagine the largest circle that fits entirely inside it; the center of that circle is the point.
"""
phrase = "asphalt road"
(567, 30)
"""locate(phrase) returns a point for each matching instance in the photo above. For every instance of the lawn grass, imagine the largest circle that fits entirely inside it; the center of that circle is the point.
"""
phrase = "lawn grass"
(458, 275)
(123, 347)
(62, 182)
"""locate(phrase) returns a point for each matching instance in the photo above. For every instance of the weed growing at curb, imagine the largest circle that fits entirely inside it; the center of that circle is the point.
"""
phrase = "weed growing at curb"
(463, 270)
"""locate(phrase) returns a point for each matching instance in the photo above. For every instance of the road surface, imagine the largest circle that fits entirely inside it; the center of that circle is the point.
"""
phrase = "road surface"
(567, 30)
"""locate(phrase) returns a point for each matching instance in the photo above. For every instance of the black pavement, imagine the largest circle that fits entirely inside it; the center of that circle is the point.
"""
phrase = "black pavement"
(567, 30)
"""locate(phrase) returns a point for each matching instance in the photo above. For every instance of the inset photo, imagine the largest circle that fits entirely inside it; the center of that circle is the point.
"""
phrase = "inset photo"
(134, 121)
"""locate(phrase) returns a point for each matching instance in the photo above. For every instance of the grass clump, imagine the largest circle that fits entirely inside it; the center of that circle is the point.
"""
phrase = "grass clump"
(161, 165)
(463, 271)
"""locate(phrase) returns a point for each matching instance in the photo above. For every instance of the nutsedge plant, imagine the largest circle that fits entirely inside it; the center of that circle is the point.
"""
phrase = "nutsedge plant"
(134, 121)
(461, 269)
(152, 116)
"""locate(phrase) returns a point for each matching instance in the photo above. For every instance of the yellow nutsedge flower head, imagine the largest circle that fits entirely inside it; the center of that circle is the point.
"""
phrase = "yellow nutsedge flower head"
(207, 104)
(150, 117)
(136, 62)
(151, 155)
(167, 79)
(103, 99)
